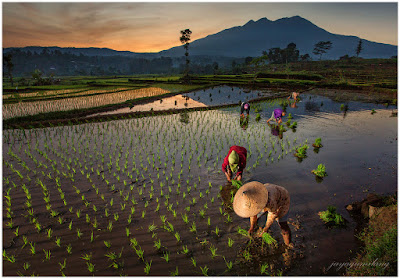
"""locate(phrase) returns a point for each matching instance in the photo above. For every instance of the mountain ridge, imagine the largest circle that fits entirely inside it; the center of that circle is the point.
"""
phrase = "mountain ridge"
(251, 39)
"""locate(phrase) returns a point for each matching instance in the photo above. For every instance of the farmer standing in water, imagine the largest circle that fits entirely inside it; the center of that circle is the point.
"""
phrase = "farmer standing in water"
(277, 116)
(244, 107)
(254, 199)
(234, 162)
(294, 95)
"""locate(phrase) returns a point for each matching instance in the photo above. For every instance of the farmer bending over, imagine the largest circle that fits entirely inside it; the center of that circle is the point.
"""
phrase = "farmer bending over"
(277, 116)
(244, 107)
(235, 162)
(294, 95)
(253, 199)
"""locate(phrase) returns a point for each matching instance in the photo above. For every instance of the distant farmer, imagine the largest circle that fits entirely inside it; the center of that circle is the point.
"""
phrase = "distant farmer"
(244, 107)
(254, 199)
(294, 95)
(277, 116)
(234, 162)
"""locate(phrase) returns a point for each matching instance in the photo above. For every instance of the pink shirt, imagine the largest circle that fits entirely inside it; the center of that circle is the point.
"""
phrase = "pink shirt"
(242, 152)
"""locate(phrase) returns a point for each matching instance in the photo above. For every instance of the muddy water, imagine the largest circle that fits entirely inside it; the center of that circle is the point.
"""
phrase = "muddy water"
(222, 95)
(174, 162)
(174, 102)
(360, 154)
(219, 95)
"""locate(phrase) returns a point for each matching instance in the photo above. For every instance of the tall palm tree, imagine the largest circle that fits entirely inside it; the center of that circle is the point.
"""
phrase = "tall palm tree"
(185, 38)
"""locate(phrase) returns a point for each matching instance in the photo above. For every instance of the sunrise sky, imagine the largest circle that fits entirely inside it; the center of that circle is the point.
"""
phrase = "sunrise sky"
(152, 27)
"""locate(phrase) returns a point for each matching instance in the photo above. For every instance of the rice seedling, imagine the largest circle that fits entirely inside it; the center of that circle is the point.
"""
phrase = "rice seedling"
(301, 152)
(140, 252)
(25, 240)
(268, 239)
(47, 254)
(6, 257)
(320, 171)
(247, 255)
(177, 236)
(242, 232)
(78, 233)
(204, 270)
(193, 228)
(90, 267)
(86, 257)
(213, 251)
(230, 242)
(147, 267)
(217, 231)
(69, 249)
(229, 264)
(157, 244)
(16, 232)
(263, 269)
(26, 266)
(58, 241)
(175, 273)
(110, 226)
(152, 228)
(331, 217)
(202, 213)
(32, 249)
(134, 242)
(165, 256)
(317, 143)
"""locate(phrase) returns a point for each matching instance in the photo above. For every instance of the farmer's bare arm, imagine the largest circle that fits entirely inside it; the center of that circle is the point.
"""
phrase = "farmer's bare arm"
(228, 176)
(253, 222)
(271, 218)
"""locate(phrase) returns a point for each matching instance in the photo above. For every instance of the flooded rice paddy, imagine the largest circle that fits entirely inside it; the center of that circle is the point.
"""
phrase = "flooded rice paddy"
(219, 95)
(148, 196)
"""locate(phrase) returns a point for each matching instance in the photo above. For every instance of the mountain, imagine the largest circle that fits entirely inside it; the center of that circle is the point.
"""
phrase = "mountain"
(250, 40)
(90, 51)
(256, 36)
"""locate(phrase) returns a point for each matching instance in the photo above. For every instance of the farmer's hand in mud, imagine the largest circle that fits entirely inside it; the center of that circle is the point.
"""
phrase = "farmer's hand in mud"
(260, 234)
(290, 246)
(238, 177)
(250, 231)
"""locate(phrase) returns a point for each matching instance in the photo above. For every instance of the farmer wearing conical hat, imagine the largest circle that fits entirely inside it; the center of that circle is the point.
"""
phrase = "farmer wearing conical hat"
(255, 199)
(244, 107)
(277, 115)
(234, 162)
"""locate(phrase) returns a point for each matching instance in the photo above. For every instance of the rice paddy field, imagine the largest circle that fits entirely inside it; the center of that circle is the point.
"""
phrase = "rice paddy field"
(147, 196)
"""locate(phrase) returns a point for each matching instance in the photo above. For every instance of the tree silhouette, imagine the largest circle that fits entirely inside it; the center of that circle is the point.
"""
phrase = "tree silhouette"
(7, 60)
(359, 48)
(185, 38)
(321, 48)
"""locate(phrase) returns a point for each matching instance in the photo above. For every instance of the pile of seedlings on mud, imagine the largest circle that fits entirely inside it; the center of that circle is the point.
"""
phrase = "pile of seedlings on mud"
(332, 218)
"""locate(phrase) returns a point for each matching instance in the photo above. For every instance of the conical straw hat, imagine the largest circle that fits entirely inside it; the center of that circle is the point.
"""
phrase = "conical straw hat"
(250, 199)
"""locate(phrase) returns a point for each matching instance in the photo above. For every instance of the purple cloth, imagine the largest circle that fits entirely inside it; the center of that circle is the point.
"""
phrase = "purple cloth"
(278, 113)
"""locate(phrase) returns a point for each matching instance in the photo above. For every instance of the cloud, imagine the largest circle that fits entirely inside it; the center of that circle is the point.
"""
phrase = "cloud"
(152, 26)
